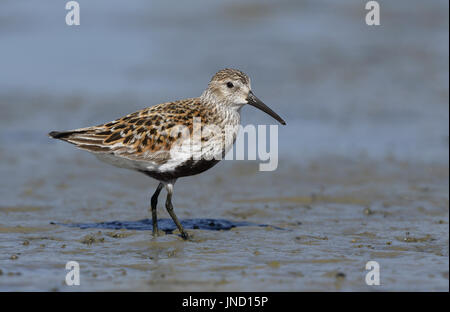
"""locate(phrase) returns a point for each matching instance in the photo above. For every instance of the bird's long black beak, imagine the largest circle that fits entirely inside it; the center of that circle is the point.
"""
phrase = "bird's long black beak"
(254, 101)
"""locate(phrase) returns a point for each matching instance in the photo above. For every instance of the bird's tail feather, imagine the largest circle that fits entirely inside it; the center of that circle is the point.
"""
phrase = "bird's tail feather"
(63, 134)
(84, 138)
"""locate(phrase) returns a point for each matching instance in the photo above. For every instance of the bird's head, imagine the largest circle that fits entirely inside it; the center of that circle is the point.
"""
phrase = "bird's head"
(232, 88)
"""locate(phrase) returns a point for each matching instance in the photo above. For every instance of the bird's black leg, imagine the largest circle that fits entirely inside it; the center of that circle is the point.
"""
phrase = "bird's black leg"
(154, 202)
(169, 208)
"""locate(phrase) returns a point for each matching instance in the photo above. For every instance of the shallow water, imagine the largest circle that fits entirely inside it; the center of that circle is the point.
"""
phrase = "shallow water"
(165, 225)
(363, 163)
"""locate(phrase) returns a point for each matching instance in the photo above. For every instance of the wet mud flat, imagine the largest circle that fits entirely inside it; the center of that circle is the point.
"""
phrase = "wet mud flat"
(310, 227)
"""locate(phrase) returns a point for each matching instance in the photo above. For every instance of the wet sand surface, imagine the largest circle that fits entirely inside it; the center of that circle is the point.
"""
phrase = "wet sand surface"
(363, 162)
(325, 221)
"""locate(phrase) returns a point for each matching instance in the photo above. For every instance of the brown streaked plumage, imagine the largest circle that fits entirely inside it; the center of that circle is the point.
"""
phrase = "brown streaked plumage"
(144, 140)
(143, 135)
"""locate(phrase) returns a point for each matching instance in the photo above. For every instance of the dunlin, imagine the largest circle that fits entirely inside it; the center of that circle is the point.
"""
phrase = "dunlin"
(144, 140)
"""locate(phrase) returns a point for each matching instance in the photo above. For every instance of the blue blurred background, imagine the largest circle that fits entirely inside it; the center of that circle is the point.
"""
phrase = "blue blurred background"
(345, 88)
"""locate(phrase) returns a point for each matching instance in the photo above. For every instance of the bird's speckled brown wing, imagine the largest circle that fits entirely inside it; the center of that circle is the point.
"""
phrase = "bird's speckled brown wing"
(145, 135)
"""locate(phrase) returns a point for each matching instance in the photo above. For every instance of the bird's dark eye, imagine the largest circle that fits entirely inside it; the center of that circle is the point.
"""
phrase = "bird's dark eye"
(230, 85)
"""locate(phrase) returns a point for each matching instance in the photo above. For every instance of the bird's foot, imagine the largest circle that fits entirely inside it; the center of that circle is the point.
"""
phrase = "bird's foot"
(158, 232)
(185, 235)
